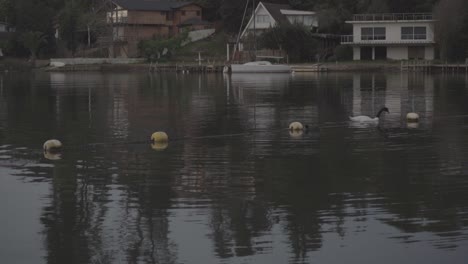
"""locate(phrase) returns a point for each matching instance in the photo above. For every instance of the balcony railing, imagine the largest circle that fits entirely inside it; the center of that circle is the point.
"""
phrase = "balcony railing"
(392, 17)
(347, 39)
(366, 39)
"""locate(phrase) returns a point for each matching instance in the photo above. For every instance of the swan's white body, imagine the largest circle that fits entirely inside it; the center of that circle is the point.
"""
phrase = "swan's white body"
(363, 119)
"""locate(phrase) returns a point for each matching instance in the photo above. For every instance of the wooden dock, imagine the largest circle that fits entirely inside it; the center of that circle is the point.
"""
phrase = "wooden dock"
(451, 68)
(429, 66)
(186, 68)
(417, 65)
(309, 68)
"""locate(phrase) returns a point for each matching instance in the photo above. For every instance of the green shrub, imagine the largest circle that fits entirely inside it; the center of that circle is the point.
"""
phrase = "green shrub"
(156, 49)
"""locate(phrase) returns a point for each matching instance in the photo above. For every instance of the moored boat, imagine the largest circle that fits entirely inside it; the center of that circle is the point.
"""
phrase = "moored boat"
(259, 67)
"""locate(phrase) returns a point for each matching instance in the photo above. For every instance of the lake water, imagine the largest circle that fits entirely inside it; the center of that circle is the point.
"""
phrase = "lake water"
(337, 193)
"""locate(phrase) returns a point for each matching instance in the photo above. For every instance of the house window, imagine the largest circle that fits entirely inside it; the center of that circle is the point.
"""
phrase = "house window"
(118, 16)
(262, 19)
(367, 33)
(420, 33)
(169, 16)
(183, 13)
(413, 33)
(198, 13)
(302, 20)
(376, 33)
(379, 33)
(407, 33)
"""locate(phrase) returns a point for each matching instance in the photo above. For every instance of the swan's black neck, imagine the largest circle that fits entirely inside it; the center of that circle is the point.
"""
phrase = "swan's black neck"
(380, 112)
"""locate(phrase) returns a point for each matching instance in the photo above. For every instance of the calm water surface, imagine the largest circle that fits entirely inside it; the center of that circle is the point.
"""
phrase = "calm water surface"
(340, 193)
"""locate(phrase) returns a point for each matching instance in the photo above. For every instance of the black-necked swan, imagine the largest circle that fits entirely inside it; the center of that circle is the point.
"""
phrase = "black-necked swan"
(363, 118)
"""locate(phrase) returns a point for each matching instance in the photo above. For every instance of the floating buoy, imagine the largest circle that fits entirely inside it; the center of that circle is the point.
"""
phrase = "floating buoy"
(295, 133)
(52, 145)
(296, 126)
(159, 137)
(412, 117)
(52, 156)
(412, 125)
(159, 145)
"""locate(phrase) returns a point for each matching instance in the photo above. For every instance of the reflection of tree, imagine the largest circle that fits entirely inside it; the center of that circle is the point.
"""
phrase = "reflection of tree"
(423, 188)
(302, 194)
(73, 219)
(235, 224)
(147, 200)
(254, 185)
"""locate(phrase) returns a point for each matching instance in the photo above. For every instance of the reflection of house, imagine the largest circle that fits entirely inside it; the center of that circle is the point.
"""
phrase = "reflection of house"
(401, 93)
(268, 15)
(391, 36)
(136, 20)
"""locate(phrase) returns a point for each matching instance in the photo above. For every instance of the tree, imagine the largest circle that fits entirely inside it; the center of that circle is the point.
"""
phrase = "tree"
(69, 23)
(157, 48)
(378, 6)
(6, 10)
(451, 28)
(32, 40)
(295, 39)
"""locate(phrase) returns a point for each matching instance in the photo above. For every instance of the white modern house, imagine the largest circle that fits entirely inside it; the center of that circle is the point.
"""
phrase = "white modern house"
(268, 15)
(392, 36)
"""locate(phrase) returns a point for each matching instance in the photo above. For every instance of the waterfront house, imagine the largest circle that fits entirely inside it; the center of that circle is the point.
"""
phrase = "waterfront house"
(392, 36)
(268, 15)
(136, 20)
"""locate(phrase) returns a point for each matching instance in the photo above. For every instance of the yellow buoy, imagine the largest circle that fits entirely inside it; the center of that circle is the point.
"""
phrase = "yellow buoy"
(412, 125)
(412, 117)
(52, 156)
(159, 137)
(52, 145)
(159, 145)
(296, 126)
(295, 133)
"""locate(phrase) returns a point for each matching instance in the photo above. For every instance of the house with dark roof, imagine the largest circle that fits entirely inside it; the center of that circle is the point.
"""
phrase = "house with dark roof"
(268, 15)
(136, 20)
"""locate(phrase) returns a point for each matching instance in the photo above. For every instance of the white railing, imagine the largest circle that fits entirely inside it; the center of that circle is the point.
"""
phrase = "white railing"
(377, 39)
(392, 16)
(347, 39)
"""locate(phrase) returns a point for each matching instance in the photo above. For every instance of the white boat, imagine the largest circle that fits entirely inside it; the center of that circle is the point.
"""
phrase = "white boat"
(259, 67)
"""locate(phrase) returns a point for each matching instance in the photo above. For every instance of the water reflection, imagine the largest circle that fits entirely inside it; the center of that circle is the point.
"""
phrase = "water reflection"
(265, 196)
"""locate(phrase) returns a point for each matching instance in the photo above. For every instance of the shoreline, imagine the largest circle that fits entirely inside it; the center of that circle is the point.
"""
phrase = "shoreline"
(218, 68)
(18, 64)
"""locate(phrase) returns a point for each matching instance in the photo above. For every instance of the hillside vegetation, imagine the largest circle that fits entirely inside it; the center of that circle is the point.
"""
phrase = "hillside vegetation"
(81, 22)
